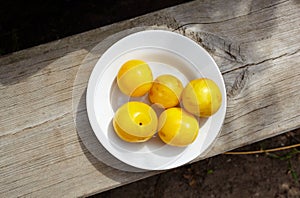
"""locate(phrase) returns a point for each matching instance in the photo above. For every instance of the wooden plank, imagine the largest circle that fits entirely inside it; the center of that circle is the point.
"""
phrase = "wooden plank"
(255, 44)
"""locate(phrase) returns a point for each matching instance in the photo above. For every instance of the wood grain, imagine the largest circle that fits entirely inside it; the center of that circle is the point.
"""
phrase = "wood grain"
(255, 44)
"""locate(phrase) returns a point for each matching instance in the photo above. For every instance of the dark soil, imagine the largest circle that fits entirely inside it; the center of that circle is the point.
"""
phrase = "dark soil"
(263, 175)
(24, 24)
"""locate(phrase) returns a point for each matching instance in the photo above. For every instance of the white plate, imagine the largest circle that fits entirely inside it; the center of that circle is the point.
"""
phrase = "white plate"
(167, 53)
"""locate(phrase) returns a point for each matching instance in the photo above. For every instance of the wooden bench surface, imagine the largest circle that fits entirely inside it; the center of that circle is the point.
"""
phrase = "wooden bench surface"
(43, 122)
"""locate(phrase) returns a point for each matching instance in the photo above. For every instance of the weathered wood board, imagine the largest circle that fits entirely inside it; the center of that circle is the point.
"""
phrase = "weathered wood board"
(255, 44)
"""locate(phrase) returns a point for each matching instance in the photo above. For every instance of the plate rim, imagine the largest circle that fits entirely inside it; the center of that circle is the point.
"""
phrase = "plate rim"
(90, 94)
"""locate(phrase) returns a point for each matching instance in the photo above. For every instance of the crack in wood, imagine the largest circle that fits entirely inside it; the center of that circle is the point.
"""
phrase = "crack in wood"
(232, 18)
(260, 62)
(242, 77)
(270, 6)
(239, 83)
(231, 55)
(217, 45)
(247, 113)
